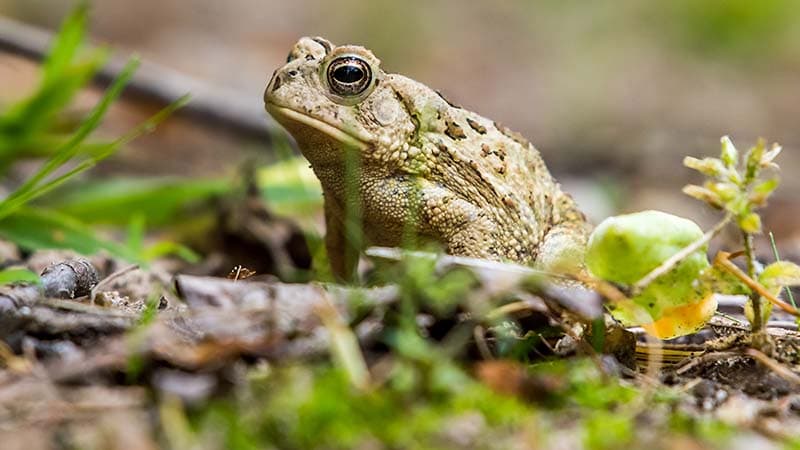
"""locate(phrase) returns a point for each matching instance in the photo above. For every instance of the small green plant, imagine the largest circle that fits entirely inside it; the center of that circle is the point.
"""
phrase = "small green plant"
(737, 185)
(734, 184)
(660, 260)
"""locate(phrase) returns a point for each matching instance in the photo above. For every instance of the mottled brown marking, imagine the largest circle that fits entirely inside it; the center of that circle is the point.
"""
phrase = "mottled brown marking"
(454, 131)
(485, 150)
(476, 126)
(500, 151)
(513, 135)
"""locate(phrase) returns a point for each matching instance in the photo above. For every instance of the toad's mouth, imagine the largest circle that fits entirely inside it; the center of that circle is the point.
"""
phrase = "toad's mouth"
(347, 139)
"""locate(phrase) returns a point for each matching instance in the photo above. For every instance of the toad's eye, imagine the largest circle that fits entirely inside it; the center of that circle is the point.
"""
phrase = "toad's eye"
(349, 76)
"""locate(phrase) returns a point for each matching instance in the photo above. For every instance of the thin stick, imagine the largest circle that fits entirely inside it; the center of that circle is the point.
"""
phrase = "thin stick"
(479, 335)
(603, 287)
(107, 280)
(509, 308)
(85, 308)
(675, 259)
(729, 317)
(723, 260)
(773, 365)
(701, 359)
(224, 108)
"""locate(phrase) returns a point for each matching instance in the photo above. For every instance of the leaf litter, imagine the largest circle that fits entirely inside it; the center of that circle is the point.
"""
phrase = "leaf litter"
(76, 363)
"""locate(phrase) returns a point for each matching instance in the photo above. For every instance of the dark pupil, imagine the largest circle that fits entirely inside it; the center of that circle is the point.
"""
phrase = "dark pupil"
(348, 74)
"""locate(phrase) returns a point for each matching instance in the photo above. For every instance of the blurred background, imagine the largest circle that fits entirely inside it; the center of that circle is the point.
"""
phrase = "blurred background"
(613, 93)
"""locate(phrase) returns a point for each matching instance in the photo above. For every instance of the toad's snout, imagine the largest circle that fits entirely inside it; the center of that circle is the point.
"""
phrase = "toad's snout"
(279, 79)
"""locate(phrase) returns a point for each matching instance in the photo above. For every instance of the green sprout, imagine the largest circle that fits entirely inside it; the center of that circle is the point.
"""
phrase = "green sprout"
(659, 260)
(737, 184)
(734, 184)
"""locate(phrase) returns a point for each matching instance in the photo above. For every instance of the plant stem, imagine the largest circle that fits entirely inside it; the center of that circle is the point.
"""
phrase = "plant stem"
(755, 298)
(723, 261)
(678, 257)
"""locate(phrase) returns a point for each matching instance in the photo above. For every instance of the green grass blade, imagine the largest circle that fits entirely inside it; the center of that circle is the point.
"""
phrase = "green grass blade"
(9, 206)
(37, 228)
(67, 42)
(90, 124)
(148, 126)
(136, 230)
(163, 200)
(29, 192)
(72, 146)
(15, 201)
(8, 276)
(35, 113)
(169, 248)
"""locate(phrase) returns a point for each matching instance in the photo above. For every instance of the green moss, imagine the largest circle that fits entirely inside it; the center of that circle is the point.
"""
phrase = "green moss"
(605, 430)
(299, 407)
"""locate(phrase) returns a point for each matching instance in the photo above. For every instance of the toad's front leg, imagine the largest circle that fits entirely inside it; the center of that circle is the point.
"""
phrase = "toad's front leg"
(342, 252)
(564, 245)
(462, 227)
(401, 211)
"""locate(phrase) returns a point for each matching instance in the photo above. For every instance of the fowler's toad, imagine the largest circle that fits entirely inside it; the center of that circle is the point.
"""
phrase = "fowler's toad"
(457, 178)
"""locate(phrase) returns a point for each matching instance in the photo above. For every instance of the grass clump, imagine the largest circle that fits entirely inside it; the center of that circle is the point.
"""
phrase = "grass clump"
(38, 126)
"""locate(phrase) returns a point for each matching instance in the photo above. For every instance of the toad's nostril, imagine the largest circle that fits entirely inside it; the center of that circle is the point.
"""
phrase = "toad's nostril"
(276, 82)
(292, 73)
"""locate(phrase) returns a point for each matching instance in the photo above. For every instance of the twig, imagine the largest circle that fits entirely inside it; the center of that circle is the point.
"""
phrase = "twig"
(729, 317)
(773, 365)
(603, 287)
(723, 260)
(107, 280)
(784, 324)
(479, 335)
(85, 308)
(581, 344)
(499, 278)
(514, 307)
(546, 344)
(224, 108)
(675, 259)
(704, 358)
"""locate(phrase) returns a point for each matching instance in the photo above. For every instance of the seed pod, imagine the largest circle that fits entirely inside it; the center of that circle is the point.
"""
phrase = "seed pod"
(69, 279)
